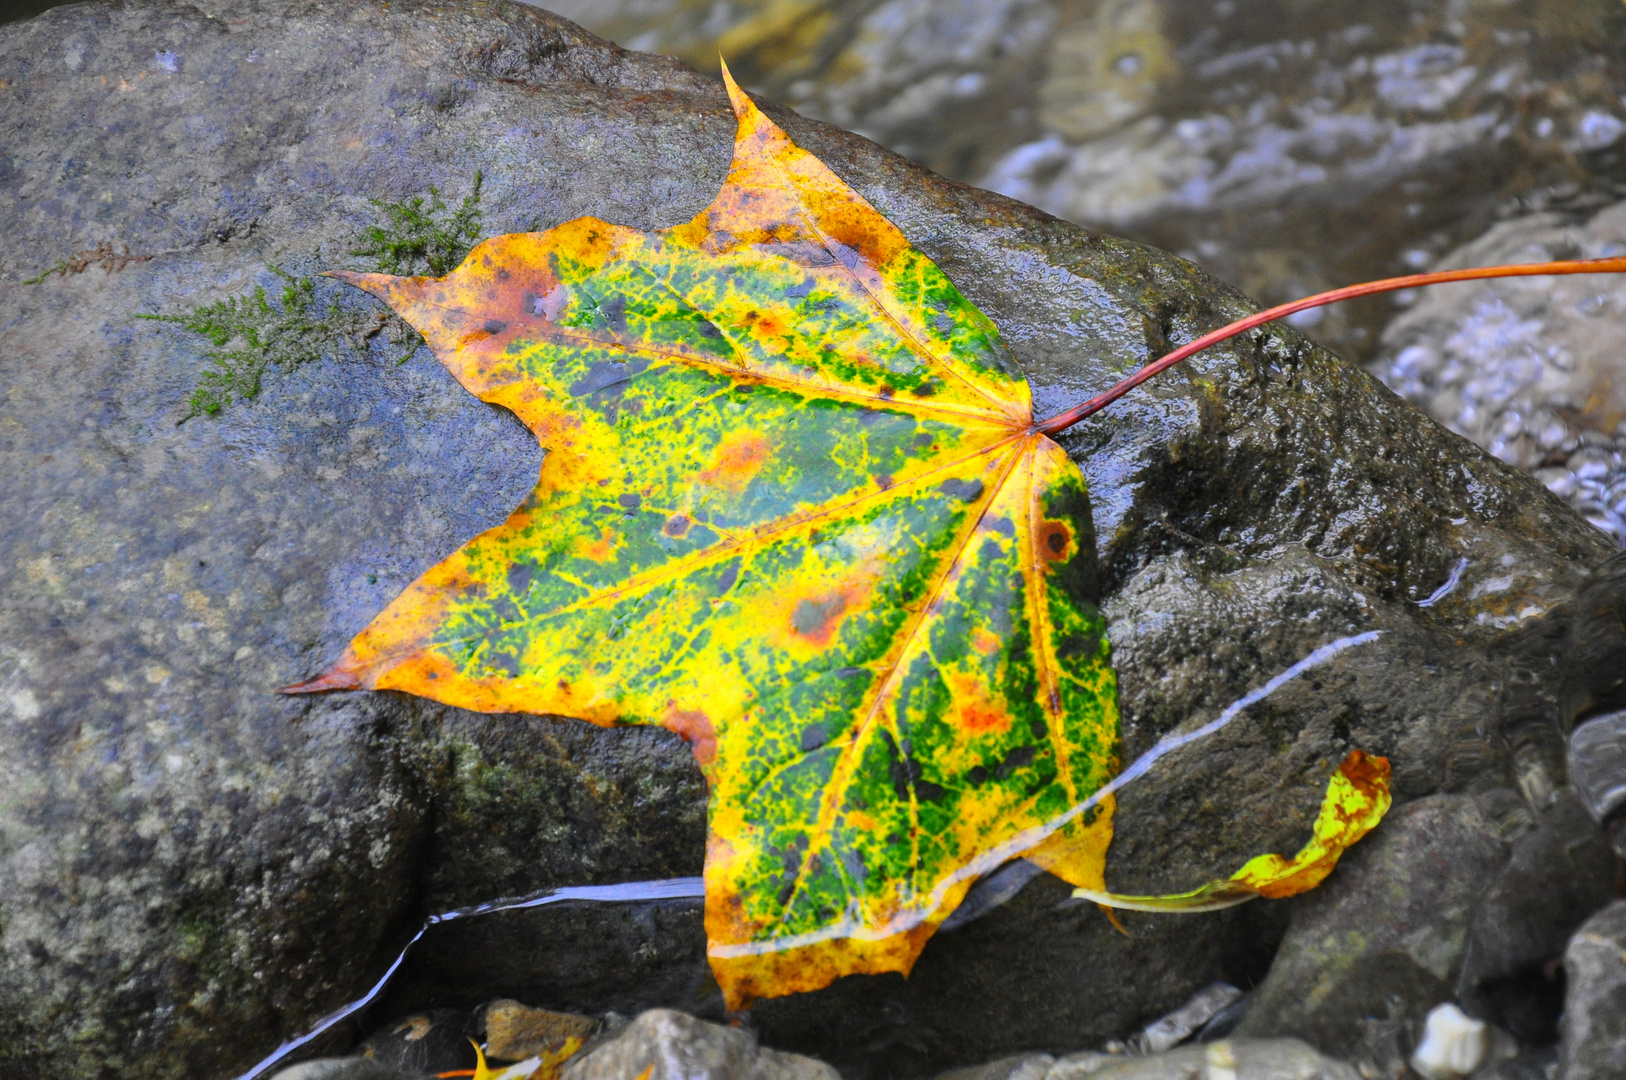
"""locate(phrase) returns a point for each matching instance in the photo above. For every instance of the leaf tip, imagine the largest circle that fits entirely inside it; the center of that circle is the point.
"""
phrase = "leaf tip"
(334, 678)
(380, 285)
(736, 96)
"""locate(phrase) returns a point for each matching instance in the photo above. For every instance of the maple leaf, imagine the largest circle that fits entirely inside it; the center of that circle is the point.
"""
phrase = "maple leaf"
(794, 508)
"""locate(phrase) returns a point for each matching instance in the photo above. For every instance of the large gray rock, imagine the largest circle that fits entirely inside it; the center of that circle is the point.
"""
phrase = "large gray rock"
(1593, 1043)
(1244, 1059)
(1597, 765)
(1384, 938)
(345, 1068)
(193, 868)
(1558, 873)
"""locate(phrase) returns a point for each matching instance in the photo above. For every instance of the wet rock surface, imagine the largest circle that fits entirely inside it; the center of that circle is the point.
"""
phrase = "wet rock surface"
(1594, 1030)
(345, 1068)
(666, 1045)
(1528, 368)
(1510, 967)
(194, 868)
(1244, 1059)
(1597, 763)
(514, 1031)
(433, 1041)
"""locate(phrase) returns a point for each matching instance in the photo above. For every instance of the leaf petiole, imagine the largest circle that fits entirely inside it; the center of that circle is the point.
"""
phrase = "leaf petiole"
(1057, 424)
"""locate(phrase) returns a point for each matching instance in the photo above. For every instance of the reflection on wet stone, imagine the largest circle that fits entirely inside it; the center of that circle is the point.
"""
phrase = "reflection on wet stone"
(1528, 370)
(1597, 761)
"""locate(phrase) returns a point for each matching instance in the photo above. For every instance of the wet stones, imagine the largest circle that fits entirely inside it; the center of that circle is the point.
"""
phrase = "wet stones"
(1244, 1059)
(515, 1031)
(1558, 873)
(1597, 762)
(1593, 1046)
(346, 1068)
(1528, 368)
(433, 1041)
(194, 869)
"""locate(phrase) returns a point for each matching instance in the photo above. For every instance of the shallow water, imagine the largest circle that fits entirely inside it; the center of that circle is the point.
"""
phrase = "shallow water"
(626, 892)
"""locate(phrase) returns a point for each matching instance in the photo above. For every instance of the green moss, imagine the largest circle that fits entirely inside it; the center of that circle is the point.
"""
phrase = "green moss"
(409, 238)
(251, 333)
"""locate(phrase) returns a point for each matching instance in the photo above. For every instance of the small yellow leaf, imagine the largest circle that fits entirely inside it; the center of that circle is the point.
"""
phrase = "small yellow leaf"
(1357, 798)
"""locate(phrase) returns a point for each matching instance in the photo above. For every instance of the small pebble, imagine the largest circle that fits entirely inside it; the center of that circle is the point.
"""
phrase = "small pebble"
(1453, 1044)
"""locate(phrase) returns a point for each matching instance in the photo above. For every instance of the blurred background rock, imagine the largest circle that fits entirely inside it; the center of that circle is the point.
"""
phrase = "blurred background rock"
(1288, 146)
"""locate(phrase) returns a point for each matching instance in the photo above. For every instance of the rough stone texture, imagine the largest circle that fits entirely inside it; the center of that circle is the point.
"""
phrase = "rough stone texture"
(1537, 1064)
(433, 1041)
(515, 1030)
(1384, 937)
(1584, 636)
(345, 1068)
(1016, 1067)
(193, 868)
(577, 957)
(1597, 764)
(666, 1045)
(1074, 1066)
(1559, 872)
(1593, 1034)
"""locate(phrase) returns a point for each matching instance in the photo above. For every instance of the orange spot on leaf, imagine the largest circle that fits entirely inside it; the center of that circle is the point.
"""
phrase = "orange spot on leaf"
(971, 709)
(737, 461)
(980, 718)
(1055, 540)
(693, 727)
(601, 550)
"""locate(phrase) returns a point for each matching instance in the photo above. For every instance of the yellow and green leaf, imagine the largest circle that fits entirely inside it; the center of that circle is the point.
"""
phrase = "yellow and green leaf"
(795, 508)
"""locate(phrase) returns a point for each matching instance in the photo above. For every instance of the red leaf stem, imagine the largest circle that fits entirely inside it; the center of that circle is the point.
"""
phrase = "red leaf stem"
(1063, 421)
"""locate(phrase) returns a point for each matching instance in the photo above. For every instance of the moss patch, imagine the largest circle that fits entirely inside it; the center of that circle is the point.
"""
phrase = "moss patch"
(252, 333)
(408, 237)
